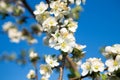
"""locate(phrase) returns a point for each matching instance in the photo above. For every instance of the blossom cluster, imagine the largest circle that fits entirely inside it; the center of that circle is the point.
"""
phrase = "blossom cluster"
(57, 21)
(13, 32)
(9, 8)
(15, 35)
(92, 65)
(113, 55)
(110, 51)
(46, 69)
(59, 29)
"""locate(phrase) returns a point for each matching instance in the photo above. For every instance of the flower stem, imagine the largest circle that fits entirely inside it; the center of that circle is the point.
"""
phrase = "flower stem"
(36, 71)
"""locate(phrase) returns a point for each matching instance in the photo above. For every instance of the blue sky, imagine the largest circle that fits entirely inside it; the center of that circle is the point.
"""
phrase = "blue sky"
(99, 25)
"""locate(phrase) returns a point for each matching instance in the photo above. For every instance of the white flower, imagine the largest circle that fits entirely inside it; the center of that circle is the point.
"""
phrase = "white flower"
(86, 67)
(113, 65)
(40, 8)
(111, 50)
(117, 48)
(62, 40)
(33, 55)
(44, 78)
(8, 25)
(14, 35)
(78, 2)
(31, 74)
(58, 8)
(71, 25)
(32, 41)
(92, 65)
(42, 17)
(45, 70)
(3, 5)
(97, 65)
(67, 45)
(52, 42)
(80, 47)
(51, 61)
(50, 24)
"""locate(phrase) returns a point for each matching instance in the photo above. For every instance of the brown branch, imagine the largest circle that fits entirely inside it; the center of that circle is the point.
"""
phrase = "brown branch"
(61, 73)
(48, 2)
(72, 64)
(28, 7)
(62, 68)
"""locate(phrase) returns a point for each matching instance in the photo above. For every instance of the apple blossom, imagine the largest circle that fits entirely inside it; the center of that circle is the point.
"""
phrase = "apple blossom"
(92, 65)
(40, 8)
(113, 65)
(51, 61)
(31, 74)
(45, 70)
(33, 55)
(14, 35)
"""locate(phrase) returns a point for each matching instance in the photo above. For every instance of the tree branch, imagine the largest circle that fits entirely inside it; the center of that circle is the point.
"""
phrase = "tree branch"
(48, 2)
(28, 7)
(72, 64)
(62, 68)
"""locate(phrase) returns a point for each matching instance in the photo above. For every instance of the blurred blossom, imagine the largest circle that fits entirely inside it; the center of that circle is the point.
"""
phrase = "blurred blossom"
(31, 74)
(45, 70)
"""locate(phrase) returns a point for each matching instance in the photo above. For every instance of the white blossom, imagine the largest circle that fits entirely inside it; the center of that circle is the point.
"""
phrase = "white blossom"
(40, 8)
(45, 70)
(71, 25)
(62, 40)
(113, 65)
(97, 65)
(31, 74)
(33, 55)
(44, 78)
(86, 67)
(92, 65)
(78, 2)
(58, 8)
(14, 35)
(51, 61)
(32, 41)
(111, 50)
(80, 47)
(50, 24)
(42, 17)
(8, 25)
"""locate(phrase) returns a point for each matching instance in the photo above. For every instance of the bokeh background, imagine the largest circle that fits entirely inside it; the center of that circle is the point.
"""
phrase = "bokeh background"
(99, 25)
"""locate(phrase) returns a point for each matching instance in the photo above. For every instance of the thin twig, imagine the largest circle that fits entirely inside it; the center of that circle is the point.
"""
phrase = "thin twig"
(28, 7)
(48, 2)
(61, 73)
(36, 71)
(72, 64)
(62, 68)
